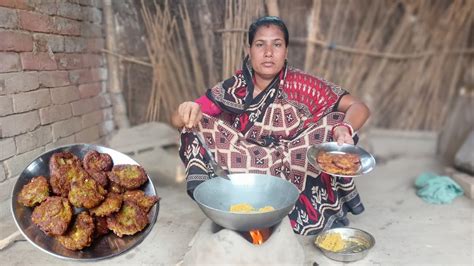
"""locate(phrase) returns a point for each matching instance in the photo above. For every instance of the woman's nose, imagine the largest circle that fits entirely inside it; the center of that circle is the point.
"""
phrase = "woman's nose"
(268, 52)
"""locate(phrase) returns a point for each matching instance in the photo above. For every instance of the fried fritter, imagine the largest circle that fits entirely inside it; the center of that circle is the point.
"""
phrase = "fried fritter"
(53, 215)
(62, 178)
(324, 157)
(333, 169)
(347, 166)
(344, 164)
(96, 161)
(63, 159)
(128, 221)
(346, 161)
(100, 226)
(86, 193)
(111, 204)
(100, 177)
(80, 234)
(329, 167)
(138, 197)
(116, 188)
(35, 192)
(349, 171)
(128, 176)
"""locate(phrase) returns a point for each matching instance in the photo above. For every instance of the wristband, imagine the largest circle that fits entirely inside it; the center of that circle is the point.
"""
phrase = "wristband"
(343, 124)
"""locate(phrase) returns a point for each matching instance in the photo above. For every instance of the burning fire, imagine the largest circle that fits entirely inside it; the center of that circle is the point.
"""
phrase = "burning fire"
(257, 237)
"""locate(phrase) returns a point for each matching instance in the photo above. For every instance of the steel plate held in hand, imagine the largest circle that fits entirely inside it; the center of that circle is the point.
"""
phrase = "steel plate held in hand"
(367, 161)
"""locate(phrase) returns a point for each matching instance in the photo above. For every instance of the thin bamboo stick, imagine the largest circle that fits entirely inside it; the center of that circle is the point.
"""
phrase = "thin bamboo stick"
(385, 55)
(127, 58)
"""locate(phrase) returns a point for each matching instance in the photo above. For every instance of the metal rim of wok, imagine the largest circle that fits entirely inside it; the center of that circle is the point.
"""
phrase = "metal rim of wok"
(366, 159)
(104, 247)
(215, 196)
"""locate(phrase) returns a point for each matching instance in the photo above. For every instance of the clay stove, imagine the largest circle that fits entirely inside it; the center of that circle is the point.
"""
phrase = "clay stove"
(213, 244)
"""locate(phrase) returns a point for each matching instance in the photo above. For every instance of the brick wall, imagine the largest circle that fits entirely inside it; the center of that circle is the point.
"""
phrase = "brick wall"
(52, 79)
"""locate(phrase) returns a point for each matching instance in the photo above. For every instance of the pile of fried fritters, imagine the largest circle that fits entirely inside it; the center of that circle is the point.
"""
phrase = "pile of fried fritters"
(343, 164)
(109, 197)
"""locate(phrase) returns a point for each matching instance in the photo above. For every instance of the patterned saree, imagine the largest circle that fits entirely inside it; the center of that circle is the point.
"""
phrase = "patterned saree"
(270, 134)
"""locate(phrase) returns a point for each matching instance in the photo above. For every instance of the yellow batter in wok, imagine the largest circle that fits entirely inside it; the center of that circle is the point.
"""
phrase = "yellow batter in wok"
(247, 208)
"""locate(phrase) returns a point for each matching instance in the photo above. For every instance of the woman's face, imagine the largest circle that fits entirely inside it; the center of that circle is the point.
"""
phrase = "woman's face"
(268, 51)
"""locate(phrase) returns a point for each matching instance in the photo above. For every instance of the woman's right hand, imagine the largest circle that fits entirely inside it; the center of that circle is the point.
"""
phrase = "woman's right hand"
(190, 114)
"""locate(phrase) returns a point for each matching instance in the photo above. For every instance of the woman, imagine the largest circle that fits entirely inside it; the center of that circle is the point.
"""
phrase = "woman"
(264, 118)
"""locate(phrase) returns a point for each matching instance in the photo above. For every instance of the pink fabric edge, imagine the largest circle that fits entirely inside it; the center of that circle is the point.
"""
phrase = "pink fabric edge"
(207, 106)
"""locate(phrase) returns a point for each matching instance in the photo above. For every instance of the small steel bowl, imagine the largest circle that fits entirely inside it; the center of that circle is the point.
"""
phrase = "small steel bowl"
(357, 244)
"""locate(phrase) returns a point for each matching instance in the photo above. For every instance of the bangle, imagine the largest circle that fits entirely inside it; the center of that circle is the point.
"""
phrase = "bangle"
(343, 124)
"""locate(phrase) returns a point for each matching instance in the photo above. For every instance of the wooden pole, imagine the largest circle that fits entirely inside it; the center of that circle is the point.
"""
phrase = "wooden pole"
(272, 7)
(313, 30)
(205, 19)
(119, 106)
(325, 54)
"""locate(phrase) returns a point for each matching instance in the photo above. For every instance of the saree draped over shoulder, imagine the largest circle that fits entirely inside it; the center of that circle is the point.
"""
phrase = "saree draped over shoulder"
(270, 134)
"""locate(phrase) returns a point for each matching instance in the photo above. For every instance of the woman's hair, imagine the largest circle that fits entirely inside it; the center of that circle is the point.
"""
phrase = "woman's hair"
(266, 21)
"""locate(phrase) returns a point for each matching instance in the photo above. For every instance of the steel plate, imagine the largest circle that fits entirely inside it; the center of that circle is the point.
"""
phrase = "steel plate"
(367, 161)
(104, 247)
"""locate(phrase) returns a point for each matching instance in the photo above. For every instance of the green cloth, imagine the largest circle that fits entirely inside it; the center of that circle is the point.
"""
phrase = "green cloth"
(437, 189)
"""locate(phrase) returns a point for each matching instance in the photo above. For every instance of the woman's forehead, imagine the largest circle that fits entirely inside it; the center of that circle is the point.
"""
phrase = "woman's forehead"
(269, 32)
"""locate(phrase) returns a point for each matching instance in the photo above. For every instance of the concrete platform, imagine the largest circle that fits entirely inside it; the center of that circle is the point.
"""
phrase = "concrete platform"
(407, 230)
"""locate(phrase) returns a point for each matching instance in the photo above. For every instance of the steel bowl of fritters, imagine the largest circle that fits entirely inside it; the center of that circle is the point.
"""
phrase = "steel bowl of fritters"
(82, 244)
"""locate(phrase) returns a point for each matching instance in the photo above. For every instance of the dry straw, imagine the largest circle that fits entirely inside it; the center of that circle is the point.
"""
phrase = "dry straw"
(174, 56)
(176, 69)
(405, 58)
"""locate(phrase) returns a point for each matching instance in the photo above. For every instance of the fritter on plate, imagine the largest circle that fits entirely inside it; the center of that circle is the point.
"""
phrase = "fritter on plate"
(344, 164)
(138, 197)
(128, 221)
(333, 169)
(324, 157)
(347, 169)
(347, 161)
(62, 178)
(53, 215)
(100, 177)
(111, 204)
(86, 193)
(35, 192)
(128, 176)
(100, 226)
(79, 235)
(116, 188)
(63, 159)
(96, 161)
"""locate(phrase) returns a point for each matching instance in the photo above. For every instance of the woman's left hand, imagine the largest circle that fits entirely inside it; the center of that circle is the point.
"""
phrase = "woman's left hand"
(342, 135)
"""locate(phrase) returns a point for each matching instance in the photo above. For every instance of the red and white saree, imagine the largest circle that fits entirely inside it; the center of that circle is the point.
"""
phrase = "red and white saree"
(270, 134)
